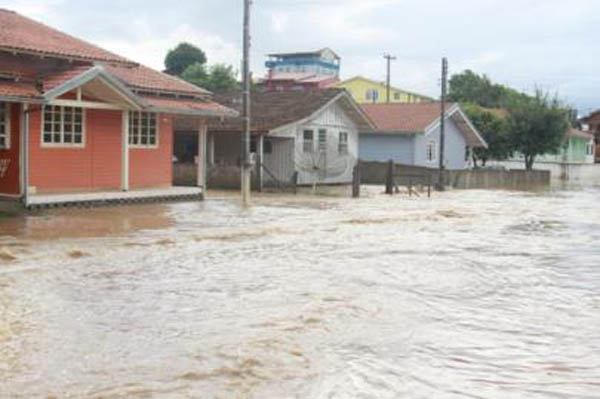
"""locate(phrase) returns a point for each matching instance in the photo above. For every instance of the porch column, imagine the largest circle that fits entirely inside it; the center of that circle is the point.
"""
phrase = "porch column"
(211, 149)
(259, 165)
(125, 152)
(202, 133)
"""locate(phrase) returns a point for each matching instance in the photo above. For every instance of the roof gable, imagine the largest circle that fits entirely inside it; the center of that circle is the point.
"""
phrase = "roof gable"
(21, 34)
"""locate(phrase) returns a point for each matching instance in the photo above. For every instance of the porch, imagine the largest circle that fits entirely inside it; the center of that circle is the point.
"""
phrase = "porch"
(113, 197)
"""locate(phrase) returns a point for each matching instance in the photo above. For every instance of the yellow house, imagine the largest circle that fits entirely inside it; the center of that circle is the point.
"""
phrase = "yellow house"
(367, 91)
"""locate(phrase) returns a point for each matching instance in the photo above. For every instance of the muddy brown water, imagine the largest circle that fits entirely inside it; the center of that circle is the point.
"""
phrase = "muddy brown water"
(472, 294)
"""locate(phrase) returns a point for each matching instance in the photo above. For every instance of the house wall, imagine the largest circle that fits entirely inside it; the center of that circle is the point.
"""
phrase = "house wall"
(383, 147)
(9, 184)
(455, 147)
(338, 167)
(280, 162)
(153, 167)
(358, 89)
(97, 165)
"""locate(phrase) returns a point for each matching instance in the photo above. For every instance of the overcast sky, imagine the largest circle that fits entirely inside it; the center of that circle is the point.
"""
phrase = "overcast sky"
(552, 44)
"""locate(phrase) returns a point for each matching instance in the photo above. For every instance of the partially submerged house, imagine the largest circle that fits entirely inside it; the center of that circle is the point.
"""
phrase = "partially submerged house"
(410, 134)
(312, 135)
(81, 124)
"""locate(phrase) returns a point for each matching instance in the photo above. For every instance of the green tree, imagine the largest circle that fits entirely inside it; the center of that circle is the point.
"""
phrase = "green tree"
(470, 87)
(494, 129)
(221, 78)
(537, 125)
(195, 74)
(182, 57)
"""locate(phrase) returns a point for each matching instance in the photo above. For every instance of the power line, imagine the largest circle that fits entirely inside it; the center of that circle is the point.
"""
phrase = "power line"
(389, 58)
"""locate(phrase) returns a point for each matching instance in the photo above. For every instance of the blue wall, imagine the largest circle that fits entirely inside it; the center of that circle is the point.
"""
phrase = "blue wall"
(386, 146)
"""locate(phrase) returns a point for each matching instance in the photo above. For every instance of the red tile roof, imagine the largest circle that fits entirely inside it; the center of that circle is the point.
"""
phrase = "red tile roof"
(18, 89)
(142, 77)
(183, 105)
(19, 33)
(403, 118)
(580, 134)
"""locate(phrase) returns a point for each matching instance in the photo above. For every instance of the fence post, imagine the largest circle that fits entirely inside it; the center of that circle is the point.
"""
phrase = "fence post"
(356, 181)
(295, 182)
(389, 180)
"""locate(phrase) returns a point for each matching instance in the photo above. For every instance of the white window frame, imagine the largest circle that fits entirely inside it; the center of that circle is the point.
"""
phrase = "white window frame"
(343, 144)
(62, 144)
(139, 145)
(6, 124)
(322, 139)
(431, 151)
(589, 149)
(305, 147)
(372, 95)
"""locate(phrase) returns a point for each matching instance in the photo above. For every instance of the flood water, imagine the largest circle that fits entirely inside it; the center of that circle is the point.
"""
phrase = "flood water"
(472, 294)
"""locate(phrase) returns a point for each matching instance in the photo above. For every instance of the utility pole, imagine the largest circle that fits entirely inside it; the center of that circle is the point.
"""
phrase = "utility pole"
(443, 123)
(389, 58)
(245, 156)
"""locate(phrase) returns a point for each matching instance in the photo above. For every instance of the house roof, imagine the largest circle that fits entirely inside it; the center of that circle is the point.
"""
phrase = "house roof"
(403, 118)
(21, 34)
(272, 110)
(36, 60)
(305, 53)
(580, 134)
(358, 77)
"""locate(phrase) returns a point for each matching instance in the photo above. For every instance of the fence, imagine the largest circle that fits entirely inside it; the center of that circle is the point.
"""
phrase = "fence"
(376, 173)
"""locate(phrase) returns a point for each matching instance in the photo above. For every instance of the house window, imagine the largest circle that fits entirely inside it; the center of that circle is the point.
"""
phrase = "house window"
(63, 126)
(589, 149)
(4, 126)
(267, 147)
(322, 139)
(372, 95)
(343, 143)
(143, 129)
(431, 151)
(308, 141)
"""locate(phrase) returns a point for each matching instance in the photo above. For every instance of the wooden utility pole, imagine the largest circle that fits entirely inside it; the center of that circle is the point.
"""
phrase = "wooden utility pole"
(245, 156)
(389, 58)
(441, 183)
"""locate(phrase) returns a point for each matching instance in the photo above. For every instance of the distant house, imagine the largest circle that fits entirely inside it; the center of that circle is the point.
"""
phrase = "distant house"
(301, 71)
(78, 123)
(367, 91)
(593, 123)
(410, 134)
(313, 134)
(578, 149)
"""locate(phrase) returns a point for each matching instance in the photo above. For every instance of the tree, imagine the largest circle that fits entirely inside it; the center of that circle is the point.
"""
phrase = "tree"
(537, 125)
(195, 74)
(182, 57)
(221, 78)
(470, 87)
(494, 129)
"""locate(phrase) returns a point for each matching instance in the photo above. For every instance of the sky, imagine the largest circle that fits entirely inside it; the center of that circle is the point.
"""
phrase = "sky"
(550, 44)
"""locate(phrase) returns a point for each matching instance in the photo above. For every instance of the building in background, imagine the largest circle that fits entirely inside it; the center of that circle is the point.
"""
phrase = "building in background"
(301, 71)
(409, 134)
(367, 91)
(592, 122)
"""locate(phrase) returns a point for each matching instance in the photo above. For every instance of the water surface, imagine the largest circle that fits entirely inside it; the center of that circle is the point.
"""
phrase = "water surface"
(472, 294)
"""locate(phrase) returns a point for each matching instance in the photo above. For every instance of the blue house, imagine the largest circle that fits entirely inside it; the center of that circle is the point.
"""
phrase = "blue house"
(410, 134)
(321, 62)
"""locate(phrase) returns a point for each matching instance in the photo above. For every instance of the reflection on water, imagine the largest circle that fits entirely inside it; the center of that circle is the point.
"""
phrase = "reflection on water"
(472, 294)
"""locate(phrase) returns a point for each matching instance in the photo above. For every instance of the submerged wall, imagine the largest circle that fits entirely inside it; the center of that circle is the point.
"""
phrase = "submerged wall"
(376, 172)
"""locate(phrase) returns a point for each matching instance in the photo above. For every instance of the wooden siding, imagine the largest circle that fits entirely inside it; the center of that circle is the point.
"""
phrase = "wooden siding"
(153, 167)
(280, 162)
(340, 167)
